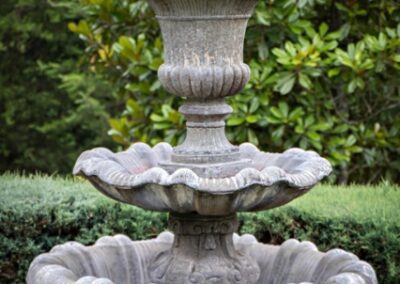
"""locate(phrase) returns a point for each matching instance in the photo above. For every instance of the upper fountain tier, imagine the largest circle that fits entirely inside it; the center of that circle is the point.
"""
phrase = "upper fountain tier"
(203, 52)
(135, 177)
(203, 46)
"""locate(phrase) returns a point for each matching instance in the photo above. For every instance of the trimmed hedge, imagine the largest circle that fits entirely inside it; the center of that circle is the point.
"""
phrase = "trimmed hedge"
(37, 213)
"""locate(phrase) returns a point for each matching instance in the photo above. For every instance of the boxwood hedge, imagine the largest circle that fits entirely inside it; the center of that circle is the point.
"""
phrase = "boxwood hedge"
(39, 212)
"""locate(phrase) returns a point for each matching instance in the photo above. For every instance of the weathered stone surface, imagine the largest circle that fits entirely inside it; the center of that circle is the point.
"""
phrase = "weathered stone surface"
(134, 177)
(203, 53)
(203, 46)
(203, 252)
(119, 260)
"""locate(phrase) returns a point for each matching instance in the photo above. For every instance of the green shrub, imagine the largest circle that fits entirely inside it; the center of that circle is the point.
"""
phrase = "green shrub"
(324, 77)
(37, 213)
(51, 108)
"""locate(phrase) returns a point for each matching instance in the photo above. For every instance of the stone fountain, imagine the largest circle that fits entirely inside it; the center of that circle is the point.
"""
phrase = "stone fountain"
(203, 182)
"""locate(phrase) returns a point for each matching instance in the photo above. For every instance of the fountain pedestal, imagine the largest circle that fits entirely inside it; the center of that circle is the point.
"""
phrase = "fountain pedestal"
(203, 252)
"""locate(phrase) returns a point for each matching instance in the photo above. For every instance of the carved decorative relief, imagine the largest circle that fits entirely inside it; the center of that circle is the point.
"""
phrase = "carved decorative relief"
(204, 81)
(203, 252)
(117, 260)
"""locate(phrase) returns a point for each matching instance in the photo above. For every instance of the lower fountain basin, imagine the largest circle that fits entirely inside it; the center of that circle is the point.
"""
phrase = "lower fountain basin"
(136, 177)
(119, 260)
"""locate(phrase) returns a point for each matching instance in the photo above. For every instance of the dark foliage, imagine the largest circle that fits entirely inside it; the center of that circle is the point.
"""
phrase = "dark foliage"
(51, 109)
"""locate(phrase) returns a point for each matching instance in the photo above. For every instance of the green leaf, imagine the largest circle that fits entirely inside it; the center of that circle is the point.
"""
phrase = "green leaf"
(351, 140)
(296, 114)
(166, 109)
(276, 112)
(309, 121)
(351, 51)
(157, 118)
(255, 104)
(290, 48)
(277, 134)
(115, 124)
(127, 42)
(344, 58)
(286, 84)
(396, 57)
(162, 125)
(323, 29)
(273, 120)
(322, 126)
(283, 109)
(351, 87)
(382, 40)
(313, 135)
(233, 121)
(340, 156)
(341, 129)
(73, 27)
(299, 129)
(252, 118)
(133, 106)
(305, 81)
(360, 83)
(252, 137)
(118, 138)
(301, 3)
(82, 27)
(330, 45)
(333, 72)
(280, 53)
(262, 18)
(155, 63)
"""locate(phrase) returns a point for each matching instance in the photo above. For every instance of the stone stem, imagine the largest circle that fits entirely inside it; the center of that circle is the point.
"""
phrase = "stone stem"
(205, 139)
(203, 252)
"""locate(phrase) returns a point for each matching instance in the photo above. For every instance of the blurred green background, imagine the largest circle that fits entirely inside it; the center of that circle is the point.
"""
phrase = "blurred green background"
(79, 74)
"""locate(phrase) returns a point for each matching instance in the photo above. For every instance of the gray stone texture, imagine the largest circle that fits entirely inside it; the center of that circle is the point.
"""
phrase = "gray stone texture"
(135, 177)
(118, 260)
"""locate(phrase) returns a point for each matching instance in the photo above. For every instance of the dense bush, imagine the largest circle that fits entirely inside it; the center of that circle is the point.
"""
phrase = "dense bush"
(51, 109)
(324, 77)
(39, 213)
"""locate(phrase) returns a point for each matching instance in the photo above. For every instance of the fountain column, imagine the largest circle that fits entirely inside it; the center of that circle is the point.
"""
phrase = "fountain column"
(203, 252)
(203, 53)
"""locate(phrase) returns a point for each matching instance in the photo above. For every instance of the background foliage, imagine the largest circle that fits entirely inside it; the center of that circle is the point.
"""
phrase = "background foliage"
(37, 213)
(51, 109)
(324, 77)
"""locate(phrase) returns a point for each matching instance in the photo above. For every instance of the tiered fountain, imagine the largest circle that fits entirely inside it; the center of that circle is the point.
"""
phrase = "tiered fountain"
(204, 181)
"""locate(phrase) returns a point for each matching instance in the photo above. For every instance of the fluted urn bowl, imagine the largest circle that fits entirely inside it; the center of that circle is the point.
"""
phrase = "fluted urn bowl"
(135, 177)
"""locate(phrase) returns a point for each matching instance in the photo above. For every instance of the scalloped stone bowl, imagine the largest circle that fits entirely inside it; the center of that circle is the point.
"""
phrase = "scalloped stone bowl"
(119, 260)
(135, 177)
